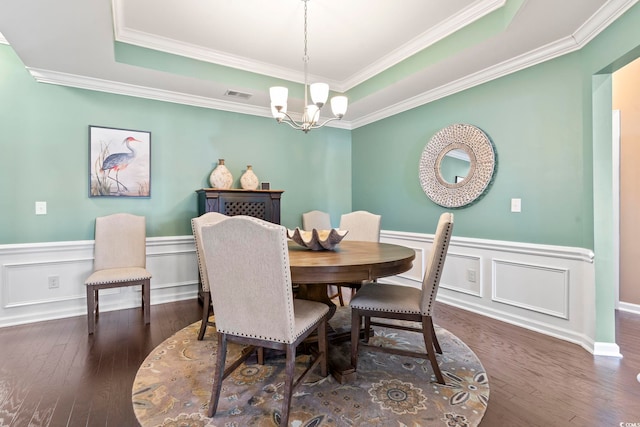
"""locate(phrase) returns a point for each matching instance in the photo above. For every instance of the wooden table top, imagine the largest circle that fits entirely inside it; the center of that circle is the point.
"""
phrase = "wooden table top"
(350, 261)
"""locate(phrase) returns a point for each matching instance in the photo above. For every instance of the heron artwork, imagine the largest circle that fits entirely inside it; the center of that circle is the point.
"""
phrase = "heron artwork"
(119, 161)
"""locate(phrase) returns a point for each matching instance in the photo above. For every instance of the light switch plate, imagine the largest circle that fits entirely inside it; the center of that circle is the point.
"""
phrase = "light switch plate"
(41, 208)
(516, 205)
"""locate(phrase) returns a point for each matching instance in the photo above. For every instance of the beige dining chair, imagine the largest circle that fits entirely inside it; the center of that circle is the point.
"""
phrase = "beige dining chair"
(196, 226)
(362, 226)
(321, 221)
(378, 300)
(316, 219)
(119, 260)
(250, 282)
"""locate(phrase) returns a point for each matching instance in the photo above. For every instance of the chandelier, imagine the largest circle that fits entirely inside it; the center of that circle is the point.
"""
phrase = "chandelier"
(319, 93)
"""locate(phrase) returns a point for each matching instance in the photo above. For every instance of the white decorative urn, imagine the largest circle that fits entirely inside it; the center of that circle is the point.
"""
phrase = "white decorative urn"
(221, 177)
(249, 180)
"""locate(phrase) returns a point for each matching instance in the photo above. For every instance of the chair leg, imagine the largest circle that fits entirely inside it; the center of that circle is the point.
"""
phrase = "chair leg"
(436, 343)
(290, 370)
(146, 301)
(427, 328)
(367, 328)
(323, 348)
(260, 355)
(97, 301)
(218, 374)
(338, 293)
(356, 321)
(206, 305)
(91, 310)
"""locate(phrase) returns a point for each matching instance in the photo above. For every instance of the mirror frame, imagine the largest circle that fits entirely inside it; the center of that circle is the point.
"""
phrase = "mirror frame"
(477, 145)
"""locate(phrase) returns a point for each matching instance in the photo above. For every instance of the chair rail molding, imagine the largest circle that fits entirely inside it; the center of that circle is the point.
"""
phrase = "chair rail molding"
(498, 279)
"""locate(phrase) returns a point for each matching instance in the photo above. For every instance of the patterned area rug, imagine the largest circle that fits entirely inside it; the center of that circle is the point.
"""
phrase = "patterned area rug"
(173, 386)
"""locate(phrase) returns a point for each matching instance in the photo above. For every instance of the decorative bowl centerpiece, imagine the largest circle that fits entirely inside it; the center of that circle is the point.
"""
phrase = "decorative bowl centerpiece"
(317, 240)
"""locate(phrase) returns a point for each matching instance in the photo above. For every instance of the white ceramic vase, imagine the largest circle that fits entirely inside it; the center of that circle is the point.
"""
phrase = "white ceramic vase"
(249, 180)
(221, 177)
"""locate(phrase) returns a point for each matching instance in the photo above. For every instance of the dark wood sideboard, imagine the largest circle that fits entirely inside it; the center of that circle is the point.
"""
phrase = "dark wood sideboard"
(263, 204)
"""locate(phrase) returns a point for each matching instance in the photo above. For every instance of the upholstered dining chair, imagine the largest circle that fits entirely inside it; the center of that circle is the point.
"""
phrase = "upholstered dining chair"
(378, 300)
(363, 226)
(321, 221)
(250, 282)
(119, 260)
(196, 226)
(316, 219)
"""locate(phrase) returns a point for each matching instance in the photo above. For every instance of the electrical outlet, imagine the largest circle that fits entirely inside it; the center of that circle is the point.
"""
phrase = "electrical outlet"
(54, 282)
(41, 208)
(471, 275)
(516, 205)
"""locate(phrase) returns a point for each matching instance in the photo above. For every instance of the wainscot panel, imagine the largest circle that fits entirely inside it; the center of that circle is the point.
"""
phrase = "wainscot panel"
(27, 269)
(548, 289)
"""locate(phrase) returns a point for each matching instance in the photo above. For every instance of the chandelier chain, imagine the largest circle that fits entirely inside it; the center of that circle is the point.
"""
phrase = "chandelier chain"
(305, 59)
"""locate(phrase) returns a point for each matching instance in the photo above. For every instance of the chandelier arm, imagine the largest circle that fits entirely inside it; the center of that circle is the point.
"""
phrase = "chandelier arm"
(316, 126)
(291, 122)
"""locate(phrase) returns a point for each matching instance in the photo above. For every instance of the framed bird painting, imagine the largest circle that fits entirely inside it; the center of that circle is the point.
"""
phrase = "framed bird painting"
(119, 162)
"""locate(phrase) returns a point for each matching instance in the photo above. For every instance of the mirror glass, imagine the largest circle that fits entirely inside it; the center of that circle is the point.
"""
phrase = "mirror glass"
(457, 165)
(454, 166)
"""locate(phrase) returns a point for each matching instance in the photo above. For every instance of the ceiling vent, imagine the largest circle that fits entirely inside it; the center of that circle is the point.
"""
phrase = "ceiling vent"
(237, 94)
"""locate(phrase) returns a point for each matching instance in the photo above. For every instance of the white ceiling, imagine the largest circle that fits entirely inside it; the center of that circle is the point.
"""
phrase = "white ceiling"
(387, 56)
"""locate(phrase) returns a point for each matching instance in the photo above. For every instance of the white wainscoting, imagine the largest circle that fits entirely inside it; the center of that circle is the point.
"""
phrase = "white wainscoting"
(548, 289)
(25, 270)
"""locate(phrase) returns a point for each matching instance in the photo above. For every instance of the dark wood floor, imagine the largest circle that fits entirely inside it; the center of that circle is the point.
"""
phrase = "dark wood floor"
(54, 374)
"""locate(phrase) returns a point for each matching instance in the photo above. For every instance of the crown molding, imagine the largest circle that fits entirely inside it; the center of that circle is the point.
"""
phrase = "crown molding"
(3, 40)
(187, 50)
(107, 86)
(151, 41)
(423, 41)
(518, 63)
(598, 22)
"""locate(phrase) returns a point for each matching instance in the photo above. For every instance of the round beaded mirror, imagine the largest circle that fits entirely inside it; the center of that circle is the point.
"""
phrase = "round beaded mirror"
(457, 165)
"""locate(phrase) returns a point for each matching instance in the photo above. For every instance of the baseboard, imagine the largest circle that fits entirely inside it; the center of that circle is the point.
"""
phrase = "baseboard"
(522, 322)
(628, 307)
(606, 349)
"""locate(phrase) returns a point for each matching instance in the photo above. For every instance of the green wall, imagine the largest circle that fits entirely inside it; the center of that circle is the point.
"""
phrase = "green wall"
(540, 122)
(551, 127)
(534, 119)
(44, 157)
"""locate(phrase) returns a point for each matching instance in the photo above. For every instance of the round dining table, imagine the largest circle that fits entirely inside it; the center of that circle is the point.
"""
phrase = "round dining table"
(350, 262)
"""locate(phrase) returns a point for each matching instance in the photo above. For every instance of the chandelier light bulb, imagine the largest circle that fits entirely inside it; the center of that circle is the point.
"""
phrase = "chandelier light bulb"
(339, 106)
(279, 96)
(319, 93)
